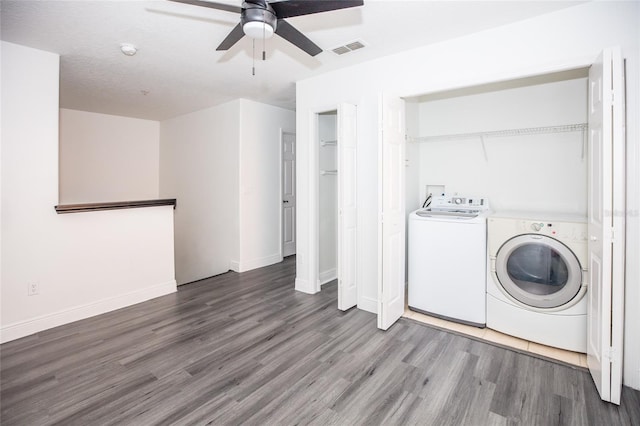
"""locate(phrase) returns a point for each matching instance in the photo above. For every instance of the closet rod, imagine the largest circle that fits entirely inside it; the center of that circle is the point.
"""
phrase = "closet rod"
(509, 132)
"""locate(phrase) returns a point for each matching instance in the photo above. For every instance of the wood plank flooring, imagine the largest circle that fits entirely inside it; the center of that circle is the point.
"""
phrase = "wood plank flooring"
(248, 349)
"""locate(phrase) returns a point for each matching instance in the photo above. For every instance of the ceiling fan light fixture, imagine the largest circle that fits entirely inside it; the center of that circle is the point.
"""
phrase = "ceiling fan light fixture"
(255, 29)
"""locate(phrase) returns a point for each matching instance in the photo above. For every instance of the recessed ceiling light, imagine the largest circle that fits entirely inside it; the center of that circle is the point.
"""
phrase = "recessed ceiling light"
(128, 49)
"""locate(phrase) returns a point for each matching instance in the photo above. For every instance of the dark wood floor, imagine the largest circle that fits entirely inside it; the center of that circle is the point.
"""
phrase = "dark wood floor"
(248, 349)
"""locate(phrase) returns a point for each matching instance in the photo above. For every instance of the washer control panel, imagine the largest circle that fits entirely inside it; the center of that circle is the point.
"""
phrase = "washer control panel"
(456, 202)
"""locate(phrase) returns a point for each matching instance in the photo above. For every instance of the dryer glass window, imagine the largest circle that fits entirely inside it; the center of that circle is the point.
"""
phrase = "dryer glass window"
(537, 269)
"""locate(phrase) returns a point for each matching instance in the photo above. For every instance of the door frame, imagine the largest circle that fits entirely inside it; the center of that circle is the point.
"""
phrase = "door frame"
(314, 196)
(464, 84)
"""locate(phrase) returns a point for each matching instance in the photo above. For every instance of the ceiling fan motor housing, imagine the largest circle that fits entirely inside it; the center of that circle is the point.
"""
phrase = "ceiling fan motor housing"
(252, 12)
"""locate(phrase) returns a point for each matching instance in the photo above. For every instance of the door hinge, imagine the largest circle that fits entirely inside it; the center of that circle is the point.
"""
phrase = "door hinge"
(609, 353)
(612, 236)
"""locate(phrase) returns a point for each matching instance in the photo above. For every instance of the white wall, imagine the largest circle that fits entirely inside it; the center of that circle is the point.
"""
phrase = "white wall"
(199, 167)
(260, 199)
(327, 199)
(107, 158)
(567, 39)
(222, 164)
(85, 263)
(535, 173)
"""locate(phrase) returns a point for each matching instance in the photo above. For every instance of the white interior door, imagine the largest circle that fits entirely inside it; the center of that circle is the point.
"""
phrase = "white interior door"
(606, 224)
(347, 224)
(288, 194)
(391, 229)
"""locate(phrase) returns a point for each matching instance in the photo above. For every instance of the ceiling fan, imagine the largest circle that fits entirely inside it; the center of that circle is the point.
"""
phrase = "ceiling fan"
(260, 19)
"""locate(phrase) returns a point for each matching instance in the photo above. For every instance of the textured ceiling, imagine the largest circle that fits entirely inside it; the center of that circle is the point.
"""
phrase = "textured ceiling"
(177, 69)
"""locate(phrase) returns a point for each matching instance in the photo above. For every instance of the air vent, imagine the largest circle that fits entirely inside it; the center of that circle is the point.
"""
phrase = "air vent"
(355, 45)
(341, 50)
(349, 47)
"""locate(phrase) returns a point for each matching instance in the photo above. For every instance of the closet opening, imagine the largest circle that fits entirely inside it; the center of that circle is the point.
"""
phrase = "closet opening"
(327, 146)
(522, 145)
(335, 208)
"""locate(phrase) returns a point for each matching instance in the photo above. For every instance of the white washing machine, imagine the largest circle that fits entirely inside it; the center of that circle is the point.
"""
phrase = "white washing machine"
(447, 259)
(537, 275)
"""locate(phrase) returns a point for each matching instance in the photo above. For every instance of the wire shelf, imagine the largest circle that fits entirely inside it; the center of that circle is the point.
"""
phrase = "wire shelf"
(502, 133)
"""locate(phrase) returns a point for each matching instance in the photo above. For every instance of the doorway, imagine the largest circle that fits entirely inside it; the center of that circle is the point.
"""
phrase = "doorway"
(335, 209)
(327, 197)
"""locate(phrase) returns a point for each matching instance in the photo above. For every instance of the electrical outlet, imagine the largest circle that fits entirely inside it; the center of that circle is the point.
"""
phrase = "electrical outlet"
(33, 289)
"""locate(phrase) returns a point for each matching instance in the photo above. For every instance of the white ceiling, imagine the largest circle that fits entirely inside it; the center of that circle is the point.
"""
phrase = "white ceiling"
(177, 69)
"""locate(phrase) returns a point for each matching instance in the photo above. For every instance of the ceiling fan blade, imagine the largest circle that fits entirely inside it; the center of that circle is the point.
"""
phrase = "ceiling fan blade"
(262, 3)
(295, 37)
(290, 8)
(231, 39)
(212, 5)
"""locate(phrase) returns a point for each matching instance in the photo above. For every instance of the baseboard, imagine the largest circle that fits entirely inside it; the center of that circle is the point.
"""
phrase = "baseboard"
(25, 328)
(234, 265)
(256, 263)
(327, 276)
(304, 287)
(368, 304)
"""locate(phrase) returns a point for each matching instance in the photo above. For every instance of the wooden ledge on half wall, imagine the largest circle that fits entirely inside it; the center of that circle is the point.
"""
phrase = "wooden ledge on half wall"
(113, 205)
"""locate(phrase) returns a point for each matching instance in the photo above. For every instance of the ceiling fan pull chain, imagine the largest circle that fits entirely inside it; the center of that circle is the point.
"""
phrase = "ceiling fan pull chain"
(253, 57)
(264, 53)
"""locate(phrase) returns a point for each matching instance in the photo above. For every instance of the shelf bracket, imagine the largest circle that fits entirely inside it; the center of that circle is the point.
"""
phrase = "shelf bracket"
(484, 149)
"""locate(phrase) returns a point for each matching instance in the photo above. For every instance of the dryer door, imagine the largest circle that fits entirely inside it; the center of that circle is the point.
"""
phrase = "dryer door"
(538, 271)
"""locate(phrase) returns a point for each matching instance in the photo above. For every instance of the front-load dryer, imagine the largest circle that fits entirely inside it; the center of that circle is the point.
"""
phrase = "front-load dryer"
(537, 276)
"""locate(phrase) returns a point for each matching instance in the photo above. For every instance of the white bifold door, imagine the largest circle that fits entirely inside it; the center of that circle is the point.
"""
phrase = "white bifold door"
(391, 225)
(347, 168)
(606, 223)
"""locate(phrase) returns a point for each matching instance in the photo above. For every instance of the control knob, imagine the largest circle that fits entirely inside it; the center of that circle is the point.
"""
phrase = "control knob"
(537, 226)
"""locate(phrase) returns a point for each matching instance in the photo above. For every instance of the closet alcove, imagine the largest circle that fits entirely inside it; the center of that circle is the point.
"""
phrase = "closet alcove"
(519, 143)
(327, 197)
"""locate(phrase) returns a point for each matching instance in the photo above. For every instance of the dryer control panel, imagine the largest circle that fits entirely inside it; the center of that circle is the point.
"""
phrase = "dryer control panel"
(556, 229)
